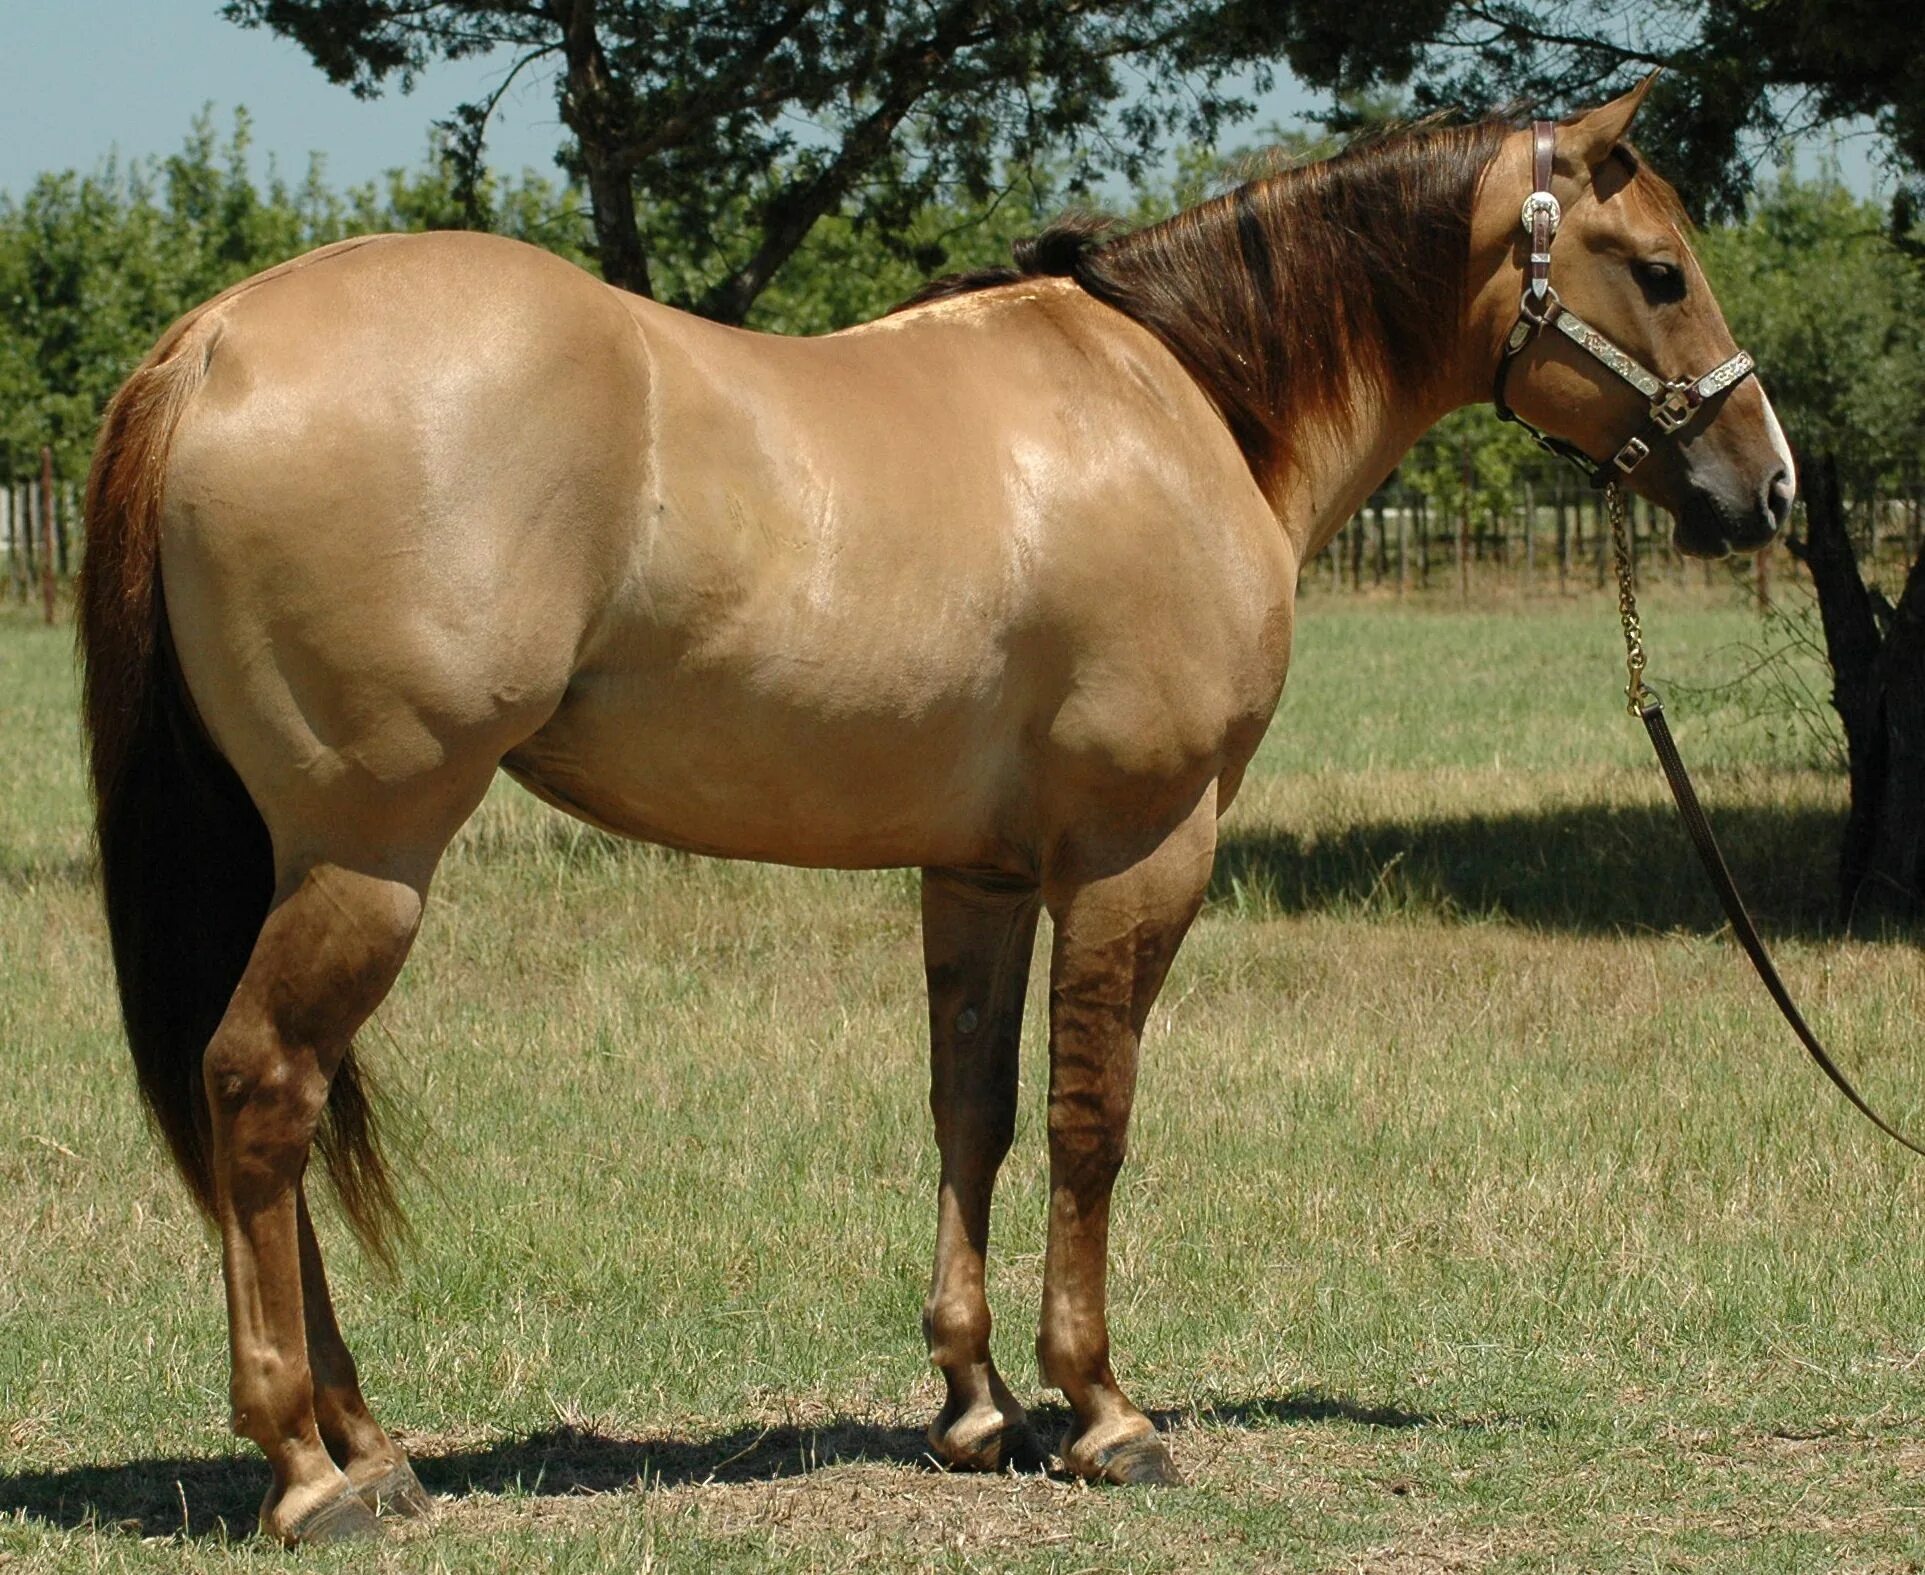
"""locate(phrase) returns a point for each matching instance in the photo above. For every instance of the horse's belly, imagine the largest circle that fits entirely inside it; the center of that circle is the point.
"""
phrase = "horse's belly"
(739, 769)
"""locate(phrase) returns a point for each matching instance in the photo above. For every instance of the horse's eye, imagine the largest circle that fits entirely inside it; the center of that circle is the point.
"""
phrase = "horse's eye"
(1662, 282)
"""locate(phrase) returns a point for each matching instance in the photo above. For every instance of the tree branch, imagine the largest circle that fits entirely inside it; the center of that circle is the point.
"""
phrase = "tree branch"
(792, 213)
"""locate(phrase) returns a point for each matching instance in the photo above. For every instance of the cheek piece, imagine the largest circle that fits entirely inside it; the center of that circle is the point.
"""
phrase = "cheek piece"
(1674, 403)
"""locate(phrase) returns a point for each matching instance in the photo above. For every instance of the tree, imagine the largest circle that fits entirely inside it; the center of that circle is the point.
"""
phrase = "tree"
(1832, 308)
(713, 136)
(1738, 74)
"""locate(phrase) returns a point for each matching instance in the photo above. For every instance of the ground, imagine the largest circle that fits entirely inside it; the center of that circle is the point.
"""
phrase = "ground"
(1480, 1214)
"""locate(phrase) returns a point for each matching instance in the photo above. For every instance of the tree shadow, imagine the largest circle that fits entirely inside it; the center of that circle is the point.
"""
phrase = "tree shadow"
(1584, 868)
(216, 1496)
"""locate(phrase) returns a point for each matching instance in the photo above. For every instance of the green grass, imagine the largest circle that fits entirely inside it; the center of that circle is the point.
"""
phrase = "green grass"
(1479, 1215)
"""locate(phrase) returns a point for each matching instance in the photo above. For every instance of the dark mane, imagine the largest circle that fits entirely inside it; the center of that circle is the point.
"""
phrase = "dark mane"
(1296, 292)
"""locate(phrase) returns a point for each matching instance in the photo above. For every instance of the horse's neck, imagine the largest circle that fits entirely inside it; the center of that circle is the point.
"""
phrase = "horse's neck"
(1325, 471)
(1347, 405)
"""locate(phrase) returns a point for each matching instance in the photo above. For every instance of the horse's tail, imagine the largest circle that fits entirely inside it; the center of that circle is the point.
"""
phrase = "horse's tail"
(185, 858)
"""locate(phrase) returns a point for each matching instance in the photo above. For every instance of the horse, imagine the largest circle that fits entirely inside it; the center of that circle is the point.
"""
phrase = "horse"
(999, 586)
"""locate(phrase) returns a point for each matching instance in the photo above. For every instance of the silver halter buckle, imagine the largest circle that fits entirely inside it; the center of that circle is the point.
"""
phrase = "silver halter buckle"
(1542, 202)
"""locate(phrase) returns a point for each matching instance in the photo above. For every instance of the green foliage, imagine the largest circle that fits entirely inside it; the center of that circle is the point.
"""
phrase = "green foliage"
(1737, 73)
(93, 267)
(1832, 309)
(849, 271)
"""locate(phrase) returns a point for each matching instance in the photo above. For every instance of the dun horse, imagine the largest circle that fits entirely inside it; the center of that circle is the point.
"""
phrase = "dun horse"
(999, 586)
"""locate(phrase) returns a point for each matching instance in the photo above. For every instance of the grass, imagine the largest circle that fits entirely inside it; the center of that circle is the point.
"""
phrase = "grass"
(1479, 1215)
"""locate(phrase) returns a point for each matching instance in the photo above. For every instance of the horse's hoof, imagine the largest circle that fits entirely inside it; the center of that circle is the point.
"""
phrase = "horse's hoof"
(1002, 1446)
(398, 1495)
(345, 1519)
(1011, 1448)
(1136, 1462)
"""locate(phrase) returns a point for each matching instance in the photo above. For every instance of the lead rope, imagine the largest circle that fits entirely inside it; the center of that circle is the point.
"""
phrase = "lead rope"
(1645, 706)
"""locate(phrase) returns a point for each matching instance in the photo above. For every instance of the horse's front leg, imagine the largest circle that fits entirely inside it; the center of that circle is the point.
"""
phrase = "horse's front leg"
(977, 939)
(1119, 920)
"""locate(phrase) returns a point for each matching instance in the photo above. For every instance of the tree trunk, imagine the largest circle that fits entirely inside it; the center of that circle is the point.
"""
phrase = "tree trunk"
(1877, 655)
(586, 111)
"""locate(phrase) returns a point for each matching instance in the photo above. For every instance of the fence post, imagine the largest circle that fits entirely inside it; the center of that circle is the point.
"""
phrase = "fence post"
(1530, 532)
(46, 530)
(1563, 542)
(30, 496)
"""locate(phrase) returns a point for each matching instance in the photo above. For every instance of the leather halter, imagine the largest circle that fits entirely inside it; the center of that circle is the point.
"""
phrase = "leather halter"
(1674, 402)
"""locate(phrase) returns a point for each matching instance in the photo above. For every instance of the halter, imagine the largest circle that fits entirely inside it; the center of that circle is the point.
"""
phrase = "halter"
(1674, 403)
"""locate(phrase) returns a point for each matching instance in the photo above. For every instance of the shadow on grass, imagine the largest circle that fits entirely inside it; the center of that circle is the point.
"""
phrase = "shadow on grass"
(29, 872)
(216, 1496)
(1588, 868)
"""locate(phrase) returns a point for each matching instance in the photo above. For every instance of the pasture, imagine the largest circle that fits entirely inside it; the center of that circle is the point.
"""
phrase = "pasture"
(1480, 1214)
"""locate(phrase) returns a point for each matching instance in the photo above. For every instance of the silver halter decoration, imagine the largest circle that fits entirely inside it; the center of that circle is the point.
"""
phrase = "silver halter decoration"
(1674, 403)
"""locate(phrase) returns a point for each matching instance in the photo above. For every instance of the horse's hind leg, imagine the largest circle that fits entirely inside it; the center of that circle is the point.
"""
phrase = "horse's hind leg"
(1120, 915)
(977, 940)
(328, 953)
(374, 1463)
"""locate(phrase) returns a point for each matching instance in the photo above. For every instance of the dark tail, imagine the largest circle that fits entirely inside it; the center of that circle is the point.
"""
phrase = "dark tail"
(185, 859)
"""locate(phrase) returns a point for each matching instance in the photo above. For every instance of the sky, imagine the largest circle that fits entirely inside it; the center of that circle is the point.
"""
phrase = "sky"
(126, 76)
(83, 79)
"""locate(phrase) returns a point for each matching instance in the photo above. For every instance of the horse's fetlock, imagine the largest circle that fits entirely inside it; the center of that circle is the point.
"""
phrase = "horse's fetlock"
(956, 1328)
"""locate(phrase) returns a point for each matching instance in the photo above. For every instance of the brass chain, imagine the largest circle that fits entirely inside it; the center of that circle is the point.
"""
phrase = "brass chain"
(1638, 699)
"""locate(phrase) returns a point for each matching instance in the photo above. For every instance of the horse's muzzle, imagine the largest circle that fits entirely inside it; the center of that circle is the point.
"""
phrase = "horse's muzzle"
(1714, 524)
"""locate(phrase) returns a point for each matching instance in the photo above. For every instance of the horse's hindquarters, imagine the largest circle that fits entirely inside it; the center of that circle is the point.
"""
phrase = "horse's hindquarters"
(387, 519)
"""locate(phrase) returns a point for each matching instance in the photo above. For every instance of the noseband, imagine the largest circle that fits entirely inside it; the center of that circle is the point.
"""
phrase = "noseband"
(1674, 403)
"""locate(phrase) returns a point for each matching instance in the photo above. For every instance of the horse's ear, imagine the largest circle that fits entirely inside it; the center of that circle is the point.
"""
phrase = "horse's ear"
(1586, 142)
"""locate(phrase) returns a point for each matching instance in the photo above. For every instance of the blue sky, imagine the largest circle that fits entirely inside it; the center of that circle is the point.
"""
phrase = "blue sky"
(86, 78)
(128, 75)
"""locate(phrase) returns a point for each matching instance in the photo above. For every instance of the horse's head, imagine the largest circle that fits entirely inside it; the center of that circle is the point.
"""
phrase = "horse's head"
(1705, 445)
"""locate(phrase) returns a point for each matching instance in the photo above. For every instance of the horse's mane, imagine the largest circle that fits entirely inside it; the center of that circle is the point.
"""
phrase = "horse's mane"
(1297, 291)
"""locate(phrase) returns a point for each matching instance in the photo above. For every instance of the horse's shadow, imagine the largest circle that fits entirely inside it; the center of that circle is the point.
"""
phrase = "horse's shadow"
(215, 1496)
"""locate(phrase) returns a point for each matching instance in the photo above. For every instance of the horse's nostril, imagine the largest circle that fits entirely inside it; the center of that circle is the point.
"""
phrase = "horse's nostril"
(1779, 493)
